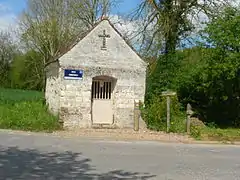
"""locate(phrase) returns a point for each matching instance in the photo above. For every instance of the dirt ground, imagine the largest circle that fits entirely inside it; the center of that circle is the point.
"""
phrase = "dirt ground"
(125, 134)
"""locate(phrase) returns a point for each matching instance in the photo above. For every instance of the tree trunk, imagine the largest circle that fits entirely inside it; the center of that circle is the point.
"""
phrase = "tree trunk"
(171, 37)
(171, 33)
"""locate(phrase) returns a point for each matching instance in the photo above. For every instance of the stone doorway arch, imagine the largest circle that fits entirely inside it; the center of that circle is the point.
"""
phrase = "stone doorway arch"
(102, 100)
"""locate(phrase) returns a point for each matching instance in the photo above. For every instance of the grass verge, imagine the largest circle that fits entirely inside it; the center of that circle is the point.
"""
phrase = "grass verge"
(24, 110)
(216, 134)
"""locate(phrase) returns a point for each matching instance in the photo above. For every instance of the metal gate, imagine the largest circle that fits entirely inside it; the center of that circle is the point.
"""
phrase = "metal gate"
(102, 112)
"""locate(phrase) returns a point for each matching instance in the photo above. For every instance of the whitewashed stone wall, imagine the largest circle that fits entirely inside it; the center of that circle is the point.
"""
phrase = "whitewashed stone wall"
(75, 97)
(52, 88)
(118, 61)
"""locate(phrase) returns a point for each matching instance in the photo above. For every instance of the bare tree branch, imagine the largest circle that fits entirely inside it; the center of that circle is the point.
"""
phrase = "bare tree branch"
(174, 19)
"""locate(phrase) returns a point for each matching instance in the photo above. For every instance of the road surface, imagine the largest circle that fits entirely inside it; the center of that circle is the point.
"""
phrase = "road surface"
(36, 156)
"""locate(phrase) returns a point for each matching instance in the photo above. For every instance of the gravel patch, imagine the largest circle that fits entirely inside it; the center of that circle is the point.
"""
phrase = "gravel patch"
(113, 134)
(125, 134)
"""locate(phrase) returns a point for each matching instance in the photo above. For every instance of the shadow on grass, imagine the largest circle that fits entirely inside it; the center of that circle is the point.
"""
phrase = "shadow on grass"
(32, 164)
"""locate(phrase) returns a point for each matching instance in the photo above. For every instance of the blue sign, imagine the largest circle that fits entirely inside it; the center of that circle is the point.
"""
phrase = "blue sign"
(73, 74)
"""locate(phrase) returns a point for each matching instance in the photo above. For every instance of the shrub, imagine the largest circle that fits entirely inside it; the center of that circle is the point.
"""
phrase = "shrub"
(155, 114)
(196, 132)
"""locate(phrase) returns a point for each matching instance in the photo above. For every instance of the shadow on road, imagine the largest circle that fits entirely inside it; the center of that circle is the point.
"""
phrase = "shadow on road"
(32, 164)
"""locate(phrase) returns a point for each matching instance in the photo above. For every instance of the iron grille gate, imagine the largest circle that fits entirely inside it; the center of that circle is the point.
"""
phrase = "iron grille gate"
(101, 89)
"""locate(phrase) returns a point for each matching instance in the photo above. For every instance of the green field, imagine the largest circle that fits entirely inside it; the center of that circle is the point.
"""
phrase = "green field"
(16, 95)
(25, 110)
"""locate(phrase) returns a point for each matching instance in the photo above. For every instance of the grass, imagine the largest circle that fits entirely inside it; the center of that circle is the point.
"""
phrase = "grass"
(155, 117)
(24, 110)
(215, 134)
(15, 95)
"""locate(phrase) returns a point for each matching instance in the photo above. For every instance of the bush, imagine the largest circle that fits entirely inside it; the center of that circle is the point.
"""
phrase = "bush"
(196, 132)
(26, 71)
(155, 115)
(213, 89)
(160, 77)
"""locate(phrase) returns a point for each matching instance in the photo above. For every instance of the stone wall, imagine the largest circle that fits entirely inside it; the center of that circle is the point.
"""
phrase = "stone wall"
(52, 88)
(118, 61)
(75, 96)
(75, 101)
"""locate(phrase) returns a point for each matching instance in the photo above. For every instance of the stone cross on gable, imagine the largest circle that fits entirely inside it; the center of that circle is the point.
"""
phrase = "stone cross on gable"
(104, 36)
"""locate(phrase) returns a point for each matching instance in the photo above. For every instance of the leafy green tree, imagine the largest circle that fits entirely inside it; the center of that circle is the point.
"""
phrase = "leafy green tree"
(8, 50)
(213, 85)
(223, 31)
(50, 27)
(161, 77)
(26, 71)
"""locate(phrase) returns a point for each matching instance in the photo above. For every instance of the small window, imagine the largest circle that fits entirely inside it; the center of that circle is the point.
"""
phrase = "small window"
(101, 89)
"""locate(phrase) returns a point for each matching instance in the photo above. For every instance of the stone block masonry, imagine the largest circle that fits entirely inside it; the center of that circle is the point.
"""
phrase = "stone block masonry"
(116, 64)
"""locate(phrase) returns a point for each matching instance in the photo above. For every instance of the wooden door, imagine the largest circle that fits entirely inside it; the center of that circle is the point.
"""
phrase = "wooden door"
(102, 107)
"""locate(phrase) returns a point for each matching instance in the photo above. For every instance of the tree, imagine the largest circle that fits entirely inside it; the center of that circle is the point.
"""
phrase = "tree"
(8, 50)
(171, 21)
(213, 85)
(89, 11)
(50, 27)
(26, 73)
(222, 32)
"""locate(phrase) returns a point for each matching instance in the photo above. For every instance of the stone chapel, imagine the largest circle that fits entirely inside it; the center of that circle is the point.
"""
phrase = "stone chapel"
(96, 81)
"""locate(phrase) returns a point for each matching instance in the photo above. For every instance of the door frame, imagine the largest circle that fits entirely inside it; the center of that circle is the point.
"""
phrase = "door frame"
(113, 84)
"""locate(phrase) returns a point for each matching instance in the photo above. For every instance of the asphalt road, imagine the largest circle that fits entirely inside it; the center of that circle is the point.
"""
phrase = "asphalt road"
(32, 157)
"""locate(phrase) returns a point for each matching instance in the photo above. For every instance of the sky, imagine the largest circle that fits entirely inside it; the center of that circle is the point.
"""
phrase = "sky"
(10, 9)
